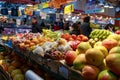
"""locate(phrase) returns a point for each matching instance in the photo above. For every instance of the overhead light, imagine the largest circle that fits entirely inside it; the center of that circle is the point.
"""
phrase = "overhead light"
(101, 3)
(111, 6)
(106, 5)
(29, 5)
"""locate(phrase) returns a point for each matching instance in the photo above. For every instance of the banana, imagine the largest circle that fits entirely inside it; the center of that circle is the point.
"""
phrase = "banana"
(100, 34)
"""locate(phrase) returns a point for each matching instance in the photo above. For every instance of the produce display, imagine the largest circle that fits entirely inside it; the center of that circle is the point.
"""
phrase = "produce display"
(98, 61)
(16, 67)
(101, 61)
(49, 44)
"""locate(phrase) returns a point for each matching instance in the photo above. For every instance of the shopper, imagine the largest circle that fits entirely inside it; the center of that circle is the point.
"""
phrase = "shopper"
(35, 26)
(85, 26)
(66, 26)
(109, 27)
(56, 27)
(61, 24)
(75, 29)
(43, 25)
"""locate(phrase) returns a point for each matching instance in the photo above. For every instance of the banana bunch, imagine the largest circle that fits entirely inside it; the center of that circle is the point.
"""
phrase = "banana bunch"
(50, 34)
(46, 31)
(100, 34)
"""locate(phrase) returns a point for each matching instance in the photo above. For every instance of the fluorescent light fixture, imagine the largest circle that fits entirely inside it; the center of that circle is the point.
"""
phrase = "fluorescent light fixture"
(29, 5)
(111, 6)
(101, 3)
(106, 5)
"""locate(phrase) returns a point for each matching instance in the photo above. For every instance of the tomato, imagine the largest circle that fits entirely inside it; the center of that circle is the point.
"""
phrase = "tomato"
(74, 36)
(79, 39)
(85, 38)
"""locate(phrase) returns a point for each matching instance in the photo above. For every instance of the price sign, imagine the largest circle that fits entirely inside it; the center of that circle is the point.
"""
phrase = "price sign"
(63, 71)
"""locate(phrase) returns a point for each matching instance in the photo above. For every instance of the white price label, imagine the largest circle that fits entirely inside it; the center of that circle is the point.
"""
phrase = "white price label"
(63, 71)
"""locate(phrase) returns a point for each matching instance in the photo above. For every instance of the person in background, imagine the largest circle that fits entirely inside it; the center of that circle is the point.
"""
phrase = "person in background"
(85, 26)
(43, 25)
(75, 29)
(109, 27)
(61, 24)
(56, 27)
(66, 26)
(35, 26)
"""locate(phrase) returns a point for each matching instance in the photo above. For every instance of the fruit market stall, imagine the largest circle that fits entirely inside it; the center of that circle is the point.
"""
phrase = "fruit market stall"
(19, 67)
(71, 57)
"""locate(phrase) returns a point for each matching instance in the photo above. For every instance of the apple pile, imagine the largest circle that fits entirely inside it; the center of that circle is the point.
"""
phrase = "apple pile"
(98, 62)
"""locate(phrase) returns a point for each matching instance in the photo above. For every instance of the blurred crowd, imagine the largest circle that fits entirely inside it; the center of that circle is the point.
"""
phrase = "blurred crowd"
(85, 27)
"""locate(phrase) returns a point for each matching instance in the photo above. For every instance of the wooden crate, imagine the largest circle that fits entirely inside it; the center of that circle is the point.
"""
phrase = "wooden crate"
(37, 58)
(53, 65)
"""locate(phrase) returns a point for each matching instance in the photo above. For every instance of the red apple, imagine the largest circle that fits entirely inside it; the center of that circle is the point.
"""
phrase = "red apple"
(70, 57)
(74, 44)
(90, 72)
(109, 43)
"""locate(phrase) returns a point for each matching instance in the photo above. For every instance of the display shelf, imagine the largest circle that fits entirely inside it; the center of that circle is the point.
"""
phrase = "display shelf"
(41, 62)
(47, 69)
(56, 68)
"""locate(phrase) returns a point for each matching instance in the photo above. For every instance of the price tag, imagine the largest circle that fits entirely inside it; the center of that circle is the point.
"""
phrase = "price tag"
(63, 71)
